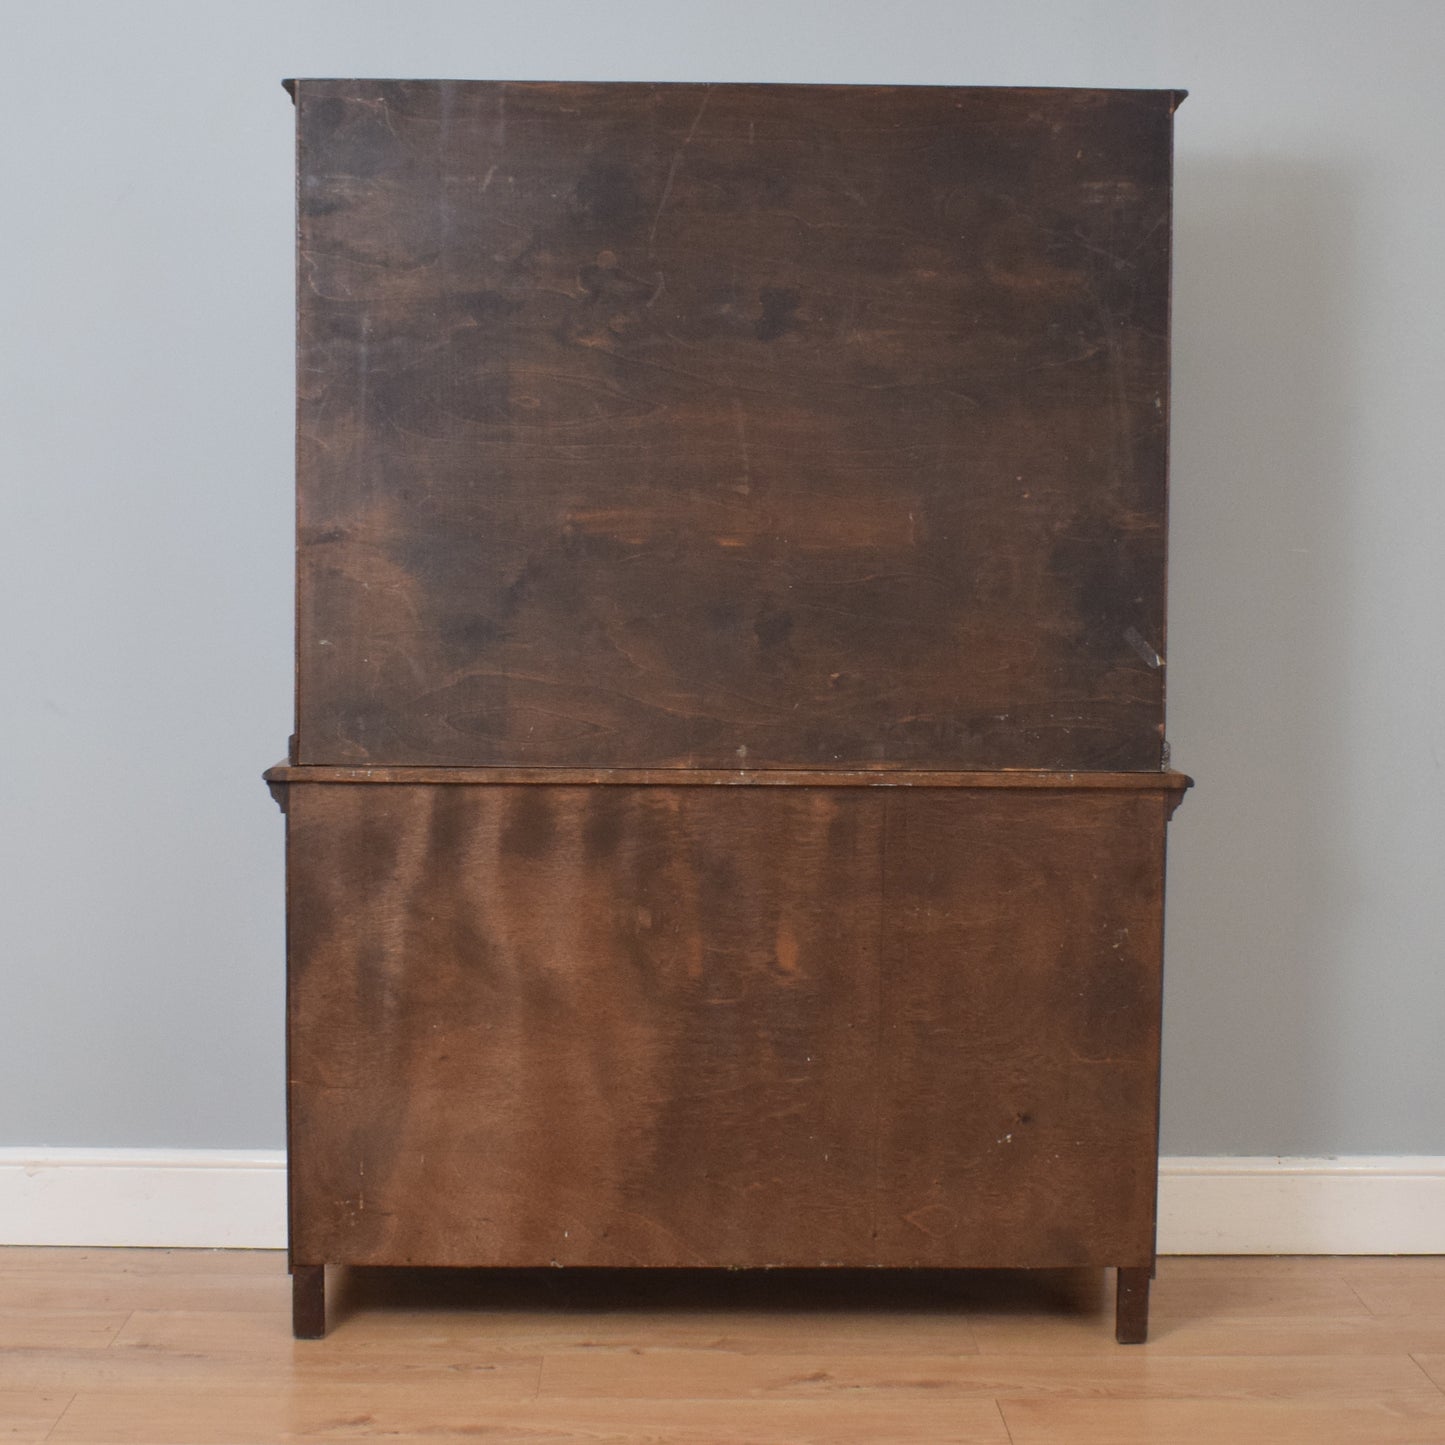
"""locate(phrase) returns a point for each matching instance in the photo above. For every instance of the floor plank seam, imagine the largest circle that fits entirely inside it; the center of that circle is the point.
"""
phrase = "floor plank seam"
(1426, 1373)
(56, 1425)
(120, 1329)
(1364, 1304)
(1003, 1419)
(1330, 1369)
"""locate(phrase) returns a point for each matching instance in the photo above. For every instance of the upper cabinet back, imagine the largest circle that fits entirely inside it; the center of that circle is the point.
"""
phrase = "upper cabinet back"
(732, 425)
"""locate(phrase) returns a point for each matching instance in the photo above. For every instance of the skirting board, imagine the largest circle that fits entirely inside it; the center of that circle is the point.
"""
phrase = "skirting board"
(214, 1199)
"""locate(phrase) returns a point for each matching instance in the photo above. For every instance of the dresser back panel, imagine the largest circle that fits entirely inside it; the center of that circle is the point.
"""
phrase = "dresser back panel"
(698, 426)
(710, 1025)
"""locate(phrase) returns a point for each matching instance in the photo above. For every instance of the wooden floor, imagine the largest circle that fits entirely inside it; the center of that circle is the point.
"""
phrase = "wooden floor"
(99, 1347)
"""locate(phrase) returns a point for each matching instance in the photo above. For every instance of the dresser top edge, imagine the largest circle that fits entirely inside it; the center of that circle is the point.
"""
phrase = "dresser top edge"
(1163, 782)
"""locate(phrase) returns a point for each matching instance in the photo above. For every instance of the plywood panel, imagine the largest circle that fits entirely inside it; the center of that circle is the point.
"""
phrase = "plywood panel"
(581, 1025)
(690, 425)
(1020, 1026)
(723, 1026)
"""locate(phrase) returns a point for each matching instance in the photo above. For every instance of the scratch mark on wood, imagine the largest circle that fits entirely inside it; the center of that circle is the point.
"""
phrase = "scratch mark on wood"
(672, 169)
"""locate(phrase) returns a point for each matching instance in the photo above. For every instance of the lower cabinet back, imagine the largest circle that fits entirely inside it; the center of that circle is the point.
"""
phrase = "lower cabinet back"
(723, 1026)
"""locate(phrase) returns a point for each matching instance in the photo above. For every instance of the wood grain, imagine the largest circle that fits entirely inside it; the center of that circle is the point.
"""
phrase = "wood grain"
(705, 1358)
(1404, 1294)
(1433, 1365)
(1174, 1332)
(154, 1372)
(1019, 1004)
(59, 1329)
(46, 1265)
(30, 1415)
(731, 527)
(1415, 1421)
(581, 1025)
(803, 426)
(455, 1417)
(284, 774)
(102, 1291)
(1124, 1374)
(723, 1027)
(417, 1316)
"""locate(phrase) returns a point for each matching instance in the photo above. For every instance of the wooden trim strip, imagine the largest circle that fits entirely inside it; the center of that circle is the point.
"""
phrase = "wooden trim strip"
(1161, 782)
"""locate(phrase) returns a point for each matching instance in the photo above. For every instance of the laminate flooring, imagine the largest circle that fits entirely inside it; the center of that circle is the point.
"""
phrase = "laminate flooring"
(191, 1347)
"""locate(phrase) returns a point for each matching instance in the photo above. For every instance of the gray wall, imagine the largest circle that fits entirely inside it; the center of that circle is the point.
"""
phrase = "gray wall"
(145, 440)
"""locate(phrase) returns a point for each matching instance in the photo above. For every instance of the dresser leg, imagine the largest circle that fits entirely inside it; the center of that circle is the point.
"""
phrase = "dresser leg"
(1131, 1310)
(308, 1301)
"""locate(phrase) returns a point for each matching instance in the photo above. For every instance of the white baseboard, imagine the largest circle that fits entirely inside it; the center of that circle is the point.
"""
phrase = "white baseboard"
(151, 1198)
(214, 1199)
(1354, 1204)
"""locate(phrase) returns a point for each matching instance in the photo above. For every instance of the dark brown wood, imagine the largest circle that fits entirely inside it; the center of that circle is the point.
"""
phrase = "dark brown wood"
(734, 1027)
(1131, 1311)
(730, 425)
(308, 1301)
(726, 812)
(1175, 783)
(1021, 995)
